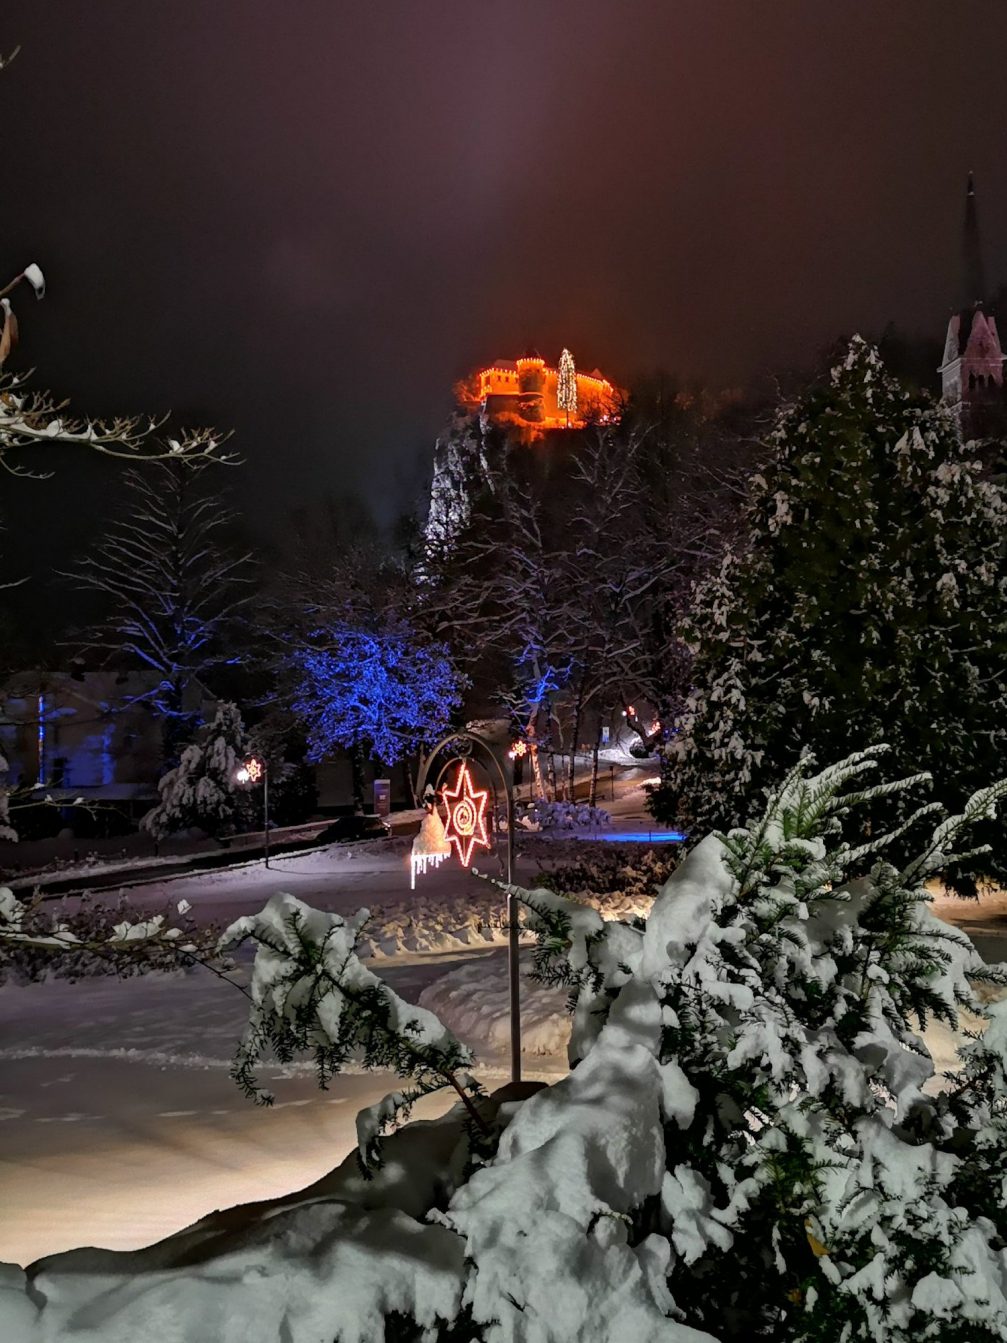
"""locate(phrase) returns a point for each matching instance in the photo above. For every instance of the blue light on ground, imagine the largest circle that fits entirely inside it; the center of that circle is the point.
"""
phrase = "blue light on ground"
(642, 837)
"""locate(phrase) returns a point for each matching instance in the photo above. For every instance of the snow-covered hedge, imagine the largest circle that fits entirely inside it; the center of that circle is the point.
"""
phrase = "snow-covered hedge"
(633, 872)
(541, 814)
(751, 1142)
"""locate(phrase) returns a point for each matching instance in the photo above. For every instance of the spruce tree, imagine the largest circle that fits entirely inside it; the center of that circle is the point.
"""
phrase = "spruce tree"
(202, 790)
(866, 601)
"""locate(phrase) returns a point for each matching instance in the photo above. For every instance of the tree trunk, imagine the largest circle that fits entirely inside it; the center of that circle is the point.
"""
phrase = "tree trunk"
(357, 763)
(571, 773)
(552, 775)
(593, 794)
(178, 726)
(536, 764)
(578, 715)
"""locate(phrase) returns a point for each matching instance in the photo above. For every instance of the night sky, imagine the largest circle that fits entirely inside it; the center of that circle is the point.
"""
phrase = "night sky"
(305, 220)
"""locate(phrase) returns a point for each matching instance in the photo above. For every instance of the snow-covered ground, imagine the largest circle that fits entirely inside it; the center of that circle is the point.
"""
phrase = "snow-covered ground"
(118, 1121)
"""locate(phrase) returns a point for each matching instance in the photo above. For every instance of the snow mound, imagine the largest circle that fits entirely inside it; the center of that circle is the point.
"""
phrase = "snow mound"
(329, 1262)
(434, 925)
(474, 1003)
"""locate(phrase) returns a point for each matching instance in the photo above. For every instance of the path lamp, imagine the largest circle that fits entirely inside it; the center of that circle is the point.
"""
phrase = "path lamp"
(251, 772)
(466, 829)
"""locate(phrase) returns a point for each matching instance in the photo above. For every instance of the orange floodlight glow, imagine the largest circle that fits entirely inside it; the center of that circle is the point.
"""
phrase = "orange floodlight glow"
(466, 823)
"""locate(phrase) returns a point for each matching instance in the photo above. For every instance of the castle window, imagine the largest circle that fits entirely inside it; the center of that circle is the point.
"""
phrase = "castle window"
(972, 382)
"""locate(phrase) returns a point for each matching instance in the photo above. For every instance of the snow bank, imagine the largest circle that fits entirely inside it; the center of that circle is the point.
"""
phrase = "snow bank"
(474, 1003)
(328, 1262)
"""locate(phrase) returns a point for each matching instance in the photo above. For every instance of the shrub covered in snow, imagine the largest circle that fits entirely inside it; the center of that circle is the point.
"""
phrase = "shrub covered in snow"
(796, 1177)
(634, 872)
(868, 588)
(44, 938)
(750, 1143)
(202, 790)
(544, 815)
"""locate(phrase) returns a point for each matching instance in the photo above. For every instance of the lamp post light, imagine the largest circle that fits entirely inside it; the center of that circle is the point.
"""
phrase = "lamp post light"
(251, 772)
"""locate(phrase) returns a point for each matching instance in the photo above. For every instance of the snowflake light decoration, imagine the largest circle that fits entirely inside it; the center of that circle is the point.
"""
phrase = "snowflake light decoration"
(466, 823)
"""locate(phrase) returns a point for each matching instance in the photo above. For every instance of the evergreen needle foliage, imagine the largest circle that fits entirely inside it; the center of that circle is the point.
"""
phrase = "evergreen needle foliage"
(868, 595)
(816, 1190)
(311, 993)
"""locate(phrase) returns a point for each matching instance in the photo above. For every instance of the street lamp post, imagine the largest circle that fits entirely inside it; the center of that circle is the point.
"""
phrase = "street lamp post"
(265, 814)
(474, 740)
(252, 771)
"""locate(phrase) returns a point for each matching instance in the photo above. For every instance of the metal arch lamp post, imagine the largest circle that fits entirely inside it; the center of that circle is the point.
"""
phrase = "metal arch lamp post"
(513, 933)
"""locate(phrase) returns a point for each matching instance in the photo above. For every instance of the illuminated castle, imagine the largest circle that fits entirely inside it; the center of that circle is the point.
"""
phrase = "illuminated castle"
(505, 407)
(532, 396)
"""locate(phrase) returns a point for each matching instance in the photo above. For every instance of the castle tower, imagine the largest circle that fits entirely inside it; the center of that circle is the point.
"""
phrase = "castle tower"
(972, 368)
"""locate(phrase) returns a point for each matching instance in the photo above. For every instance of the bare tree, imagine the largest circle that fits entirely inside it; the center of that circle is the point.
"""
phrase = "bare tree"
(575, 564)
(173, 586)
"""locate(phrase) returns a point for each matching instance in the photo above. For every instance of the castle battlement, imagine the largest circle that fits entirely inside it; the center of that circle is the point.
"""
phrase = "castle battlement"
(534, 396)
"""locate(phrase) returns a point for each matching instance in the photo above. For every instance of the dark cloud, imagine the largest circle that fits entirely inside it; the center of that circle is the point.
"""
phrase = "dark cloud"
(306, 220)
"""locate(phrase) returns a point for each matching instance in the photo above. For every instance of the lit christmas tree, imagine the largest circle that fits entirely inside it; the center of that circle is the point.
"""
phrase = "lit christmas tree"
(566, 385)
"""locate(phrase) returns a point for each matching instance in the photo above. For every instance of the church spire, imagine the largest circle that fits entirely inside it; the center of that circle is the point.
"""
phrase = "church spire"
(972, 368)
(973, 280)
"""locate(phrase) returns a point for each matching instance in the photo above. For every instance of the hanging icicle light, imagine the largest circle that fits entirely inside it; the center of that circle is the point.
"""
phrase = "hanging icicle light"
(430, 847)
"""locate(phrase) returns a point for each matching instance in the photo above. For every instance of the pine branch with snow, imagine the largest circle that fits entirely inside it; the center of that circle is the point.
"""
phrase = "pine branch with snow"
(311, 993)
(41, 938)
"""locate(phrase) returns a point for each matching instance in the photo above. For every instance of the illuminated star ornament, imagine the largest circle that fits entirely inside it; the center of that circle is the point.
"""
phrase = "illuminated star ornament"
(466, 824)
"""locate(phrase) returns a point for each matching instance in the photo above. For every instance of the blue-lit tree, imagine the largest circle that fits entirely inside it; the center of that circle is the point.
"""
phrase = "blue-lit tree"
(385, 693)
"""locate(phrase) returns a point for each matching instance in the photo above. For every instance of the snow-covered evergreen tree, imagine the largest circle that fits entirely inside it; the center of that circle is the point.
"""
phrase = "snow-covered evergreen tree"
(759, 1145)
(202, 790)
(869, 598)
